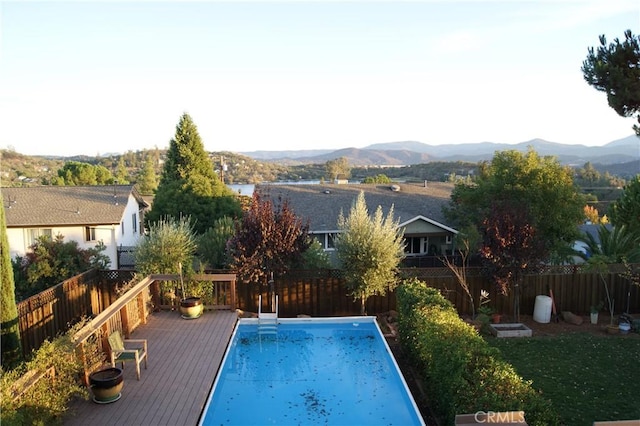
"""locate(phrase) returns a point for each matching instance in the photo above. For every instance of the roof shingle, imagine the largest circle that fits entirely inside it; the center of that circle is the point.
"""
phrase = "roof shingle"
(321, 204)
(40, 206)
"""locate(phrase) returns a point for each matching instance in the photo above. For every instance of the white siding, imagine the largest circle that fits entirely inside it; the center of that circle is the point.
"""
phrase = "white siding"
(111, 235)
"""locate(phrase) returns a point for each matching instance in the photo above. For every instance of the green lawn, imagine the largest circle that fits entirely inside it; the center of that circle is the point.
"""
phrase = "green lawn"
(587, 377)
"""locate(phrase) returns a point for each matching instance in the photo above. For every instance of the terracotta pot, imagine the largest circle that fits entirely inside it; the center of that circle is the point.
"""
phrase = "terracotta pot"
(191, 308)
(106, 385)
(495, 318)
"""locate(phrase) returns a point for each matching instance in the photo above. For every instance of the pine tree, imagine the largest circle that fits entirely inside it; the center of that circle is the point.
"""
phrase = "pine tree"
(122, 175)
(147, 181)
(188, 186)
(615, 70)
(10, 338)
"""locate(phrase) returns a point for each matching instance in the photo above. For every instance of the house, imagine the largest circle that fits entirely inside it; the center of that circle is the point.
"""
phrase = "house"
(110, 214)
(586, 229)
(417, 208)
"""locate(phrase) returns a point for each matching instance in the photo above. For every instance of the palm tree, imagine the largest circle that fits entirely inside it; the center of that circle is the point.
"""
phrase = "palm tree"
(614, 245)
(617, 245)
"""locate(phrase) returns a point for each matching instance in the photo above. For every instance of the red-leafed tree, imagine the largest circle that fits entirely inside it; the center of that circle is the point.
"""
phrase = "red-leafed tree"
(510, 247)
(269, 239)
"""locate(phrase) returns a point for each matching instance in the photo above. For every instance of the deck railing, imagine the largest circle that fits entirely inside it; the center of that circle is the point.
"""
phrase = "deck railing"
(127, 313)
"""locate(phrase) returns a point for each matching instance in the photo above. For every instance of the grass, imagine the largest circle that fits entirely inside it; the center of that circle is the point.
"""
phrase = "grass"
(587, 377)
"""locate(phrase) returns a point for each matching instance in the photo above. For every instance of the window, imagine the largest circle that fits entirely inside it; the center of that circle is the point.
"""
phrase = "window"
(331, 241)
(134, 221)
(416, 245)
(35, 233)
(327, 241)
(89, 233)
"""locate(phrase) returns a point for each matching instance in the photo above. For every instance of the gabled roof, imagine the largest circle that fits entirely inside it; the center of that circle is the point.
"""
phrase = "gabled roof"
(322, 203)
(426, 219)
(44, 206)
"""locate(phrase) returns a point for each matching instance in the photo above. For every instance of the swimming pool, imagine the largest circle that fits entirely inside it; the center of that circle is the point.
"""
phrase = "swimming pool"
(318, 371)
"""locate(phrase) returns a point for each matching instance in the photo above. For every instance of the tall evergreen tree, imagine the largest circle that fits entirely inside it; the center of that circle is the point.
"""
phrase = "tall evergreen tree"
(121, 175)
(189, 186)
(147, 181)
(10, 338)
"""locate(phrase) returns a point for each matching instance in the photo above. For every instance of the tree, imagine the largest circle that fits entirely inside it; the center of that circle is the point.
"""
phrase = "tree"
(369, 250)
(466, 241)
(50, 261)
(510, 248)
(168, 248)
(269, 239)
(212, 245)
(591, 214)
(10, 329)
(380, 178)
(589, 174)
(121, 176)
(75, 173)
(538, 185)
(147, 181)
(615, 70)
(314, 257)
(337, 167)
(626, 209)
(188, 185)
(614, 245)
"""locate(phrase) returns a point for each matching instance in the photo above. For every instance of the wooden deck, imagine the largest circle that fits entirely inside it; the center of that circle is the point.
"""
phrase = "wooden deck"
(184, 356)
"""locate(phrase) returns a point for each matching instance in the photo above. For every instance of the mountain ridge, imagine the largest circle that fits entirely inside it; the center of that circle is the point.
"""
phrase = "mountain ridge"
(413, 152)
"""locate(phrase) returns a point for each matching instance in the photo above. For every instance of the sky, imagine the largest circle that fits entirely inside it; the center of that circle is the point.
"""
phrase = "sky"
(94, 78)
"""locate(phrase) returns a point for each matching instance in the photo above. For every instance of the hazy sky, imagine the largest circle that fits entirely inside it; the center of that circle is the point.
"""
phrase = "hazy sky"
(87, 77)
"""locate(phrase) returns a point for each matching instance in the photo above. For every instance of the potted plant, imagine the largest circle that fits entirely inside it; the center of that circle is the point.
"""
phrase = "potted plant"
(594, 312)
(106, 385)
(190, 307)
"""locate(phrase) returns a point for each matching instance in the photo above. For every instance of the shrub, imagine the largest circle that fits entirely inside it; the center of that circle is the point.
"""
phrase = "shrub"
(46, 401)
(462, 373)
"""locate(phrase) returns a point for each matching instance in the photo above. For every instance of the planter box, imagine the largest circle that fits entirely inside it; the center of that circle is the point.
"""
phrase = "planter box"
(515, 329)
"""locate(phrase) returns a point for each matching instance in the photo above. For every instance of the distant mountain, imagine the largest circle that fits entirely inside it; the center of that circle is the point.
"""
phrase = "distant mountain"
(624, 150)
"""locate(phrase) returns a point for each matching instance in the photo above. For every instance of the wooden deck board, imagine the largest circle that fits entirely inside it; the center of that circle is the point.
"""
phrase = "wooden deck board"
(184, 356)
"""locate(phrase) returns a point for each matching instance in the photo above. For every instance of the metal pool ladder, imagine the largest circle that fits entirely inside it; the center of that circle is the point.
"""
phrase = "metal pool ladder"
(267, 321)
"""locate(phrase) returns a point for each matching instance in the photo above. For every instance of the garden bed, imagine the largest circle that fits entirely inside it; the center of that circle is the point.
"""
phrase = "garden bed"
(515, 329)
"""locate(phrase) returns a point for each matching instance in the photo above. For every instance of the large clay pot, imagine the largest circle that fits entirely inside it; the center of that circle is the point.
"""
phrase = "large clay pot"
(191, 308)
(106, 385)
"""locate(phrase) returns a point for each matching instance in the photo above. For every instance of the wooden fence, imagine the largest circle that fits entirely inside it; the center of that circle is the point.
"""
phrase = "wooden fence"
(574, 289)
(51, 312)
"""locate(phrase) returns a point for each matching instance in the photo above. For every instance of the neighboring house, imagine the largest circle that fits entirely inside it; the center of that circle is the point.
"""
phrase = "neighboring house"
(588, 229)
(416, 207)
(110, 214)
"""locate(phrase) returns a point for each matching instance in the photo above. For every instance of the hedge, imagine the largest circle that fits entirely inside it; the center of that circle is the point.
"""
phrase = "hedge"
(461, 372)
